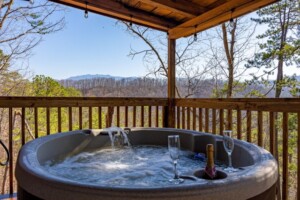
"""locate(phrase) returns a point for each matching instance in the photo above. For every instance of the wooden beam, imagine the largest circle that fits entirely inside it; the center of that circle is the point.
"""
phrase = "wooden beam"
(171, 82)
(218, 15)
(185, 8)
(118, 10)
(171, 68)
(216, 4)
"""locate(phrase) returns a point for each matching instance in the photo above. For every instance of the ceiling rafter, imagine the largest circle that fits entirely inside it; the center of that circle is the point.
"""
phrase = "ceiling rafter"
(187, 9)
(218, 15)
(180, 18)
(217, 3)
(118, 10)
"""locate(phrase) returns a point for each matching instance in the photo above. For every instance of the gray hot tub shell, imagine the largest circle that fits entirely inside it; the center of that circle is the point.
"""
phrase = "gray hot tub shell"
(256, 180)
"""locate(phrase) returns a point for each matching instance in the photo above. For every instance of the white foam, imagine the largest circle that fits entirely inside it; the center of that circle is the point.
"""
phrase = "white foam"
(142, 166)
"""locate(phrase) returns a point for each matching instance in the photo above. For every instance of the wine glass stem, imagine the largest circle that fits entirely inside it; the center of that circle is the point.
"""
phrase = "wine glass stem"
(175, 170)
(229, 161)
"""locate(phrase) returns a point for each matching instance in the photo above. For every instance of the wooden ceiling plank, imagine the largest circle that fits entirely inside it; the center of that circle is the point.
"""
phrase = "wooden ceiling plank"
(203, 3)
(217, 16)
(187, 9)
(120, 11)
(216, 4)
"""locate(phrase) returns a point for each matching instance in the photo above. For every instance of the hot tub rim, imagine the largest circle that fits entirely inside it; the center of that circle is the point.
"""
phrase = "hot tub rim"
(22, 165)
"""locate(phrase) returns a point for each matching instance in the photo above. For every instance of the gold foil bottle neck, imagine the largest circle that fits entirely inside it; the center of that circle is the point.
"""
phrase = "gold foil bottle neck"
(210, 155)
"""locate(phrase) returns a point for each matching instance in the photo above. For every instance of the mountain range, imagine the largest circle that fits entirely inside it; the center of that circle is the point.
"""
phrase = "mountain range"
(96, 76)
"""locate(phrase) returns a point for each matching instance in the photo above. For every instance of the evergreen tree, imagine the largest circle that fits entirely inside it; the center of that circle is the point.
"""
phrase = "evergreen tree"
(281, 42)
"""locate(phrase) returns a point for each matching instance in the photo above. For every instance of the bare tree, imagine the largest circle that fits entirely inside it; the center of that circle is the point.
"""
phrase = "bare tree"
(231, 46)
(189, 68)
(22, 27)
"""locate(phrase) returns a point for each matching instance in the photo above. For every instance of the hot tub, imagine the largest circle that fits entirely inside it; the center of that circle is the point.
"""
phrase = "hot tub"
(256, 178)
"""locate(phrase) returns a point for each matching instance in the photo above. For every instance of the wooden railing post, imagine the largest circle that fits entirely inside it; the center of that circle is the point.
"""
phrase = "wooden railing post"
(298, 156)
(109, 116)
(11, 163)
(169, 118)
(285, 157)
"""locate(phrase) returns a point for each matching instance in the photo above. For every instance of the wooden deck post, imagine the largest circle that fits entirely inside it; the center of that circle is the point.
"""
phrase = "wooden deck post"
(170, 110)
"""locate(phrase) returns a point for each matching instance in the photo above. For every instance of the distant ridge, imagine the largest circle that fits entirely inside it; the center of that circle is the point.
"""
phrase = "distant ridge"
(95, 76)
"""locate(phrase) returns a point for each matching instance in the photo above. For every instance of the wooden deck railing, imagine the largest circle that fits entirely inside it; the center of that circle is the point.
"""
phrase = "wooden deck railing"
(25, 118)
(273, 124)
(270, 123)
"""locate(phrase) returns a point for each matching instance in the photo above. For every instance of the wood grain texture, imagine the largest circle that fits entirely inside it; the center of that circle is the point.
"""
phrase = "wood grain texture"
(221, 117)
(298, 156)
(249, 126)
(48, 120)
(200, 120)
(134, 117)
(254, 104)
(239, 124)
(178, 117)
(188, 115)
(183, 121)
(10, 148)
(229, 120)
(80, 117)
(156, 116)
(100, 117)
(121, 11)
(285, 157)
(59, 119)
(23, 116)
(272, 132)
(70, 119)
(216, 16)
(185, 8)
(149, 116)
(36, 123)
(260, 128)
(142, 116)
(214, 121)
(126, 116)
(118, 116)
(7, 102)
(90, 117)
(171, 83)
(178, 17)
(194, 118)
(206, 120)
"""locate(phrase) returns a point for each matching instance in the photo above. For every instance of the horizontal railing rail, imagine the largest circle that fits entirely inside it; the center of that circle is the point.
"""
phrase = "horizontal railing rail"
(14, 102)
(255, 104)
(268, 122)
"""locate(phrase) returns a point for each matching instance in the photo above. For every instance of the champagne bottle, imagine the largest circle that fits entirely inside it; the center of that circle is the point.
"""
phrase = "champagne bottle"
(210, 168)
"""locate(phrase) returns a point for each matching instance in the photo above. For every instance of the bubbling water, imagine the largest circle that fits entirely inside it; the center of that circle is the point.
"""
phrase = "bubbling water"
(139, 166)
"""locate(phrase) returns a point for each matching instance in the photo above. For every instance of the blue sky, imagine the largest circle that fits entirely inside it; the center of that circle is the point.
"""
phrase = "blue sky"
(96, 45)
(87, 46)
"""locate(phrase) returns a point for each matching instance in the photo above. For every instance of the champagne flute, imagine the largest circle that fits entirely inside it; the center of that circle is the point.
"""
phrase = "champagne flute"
(228, 146)
(174, 150)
